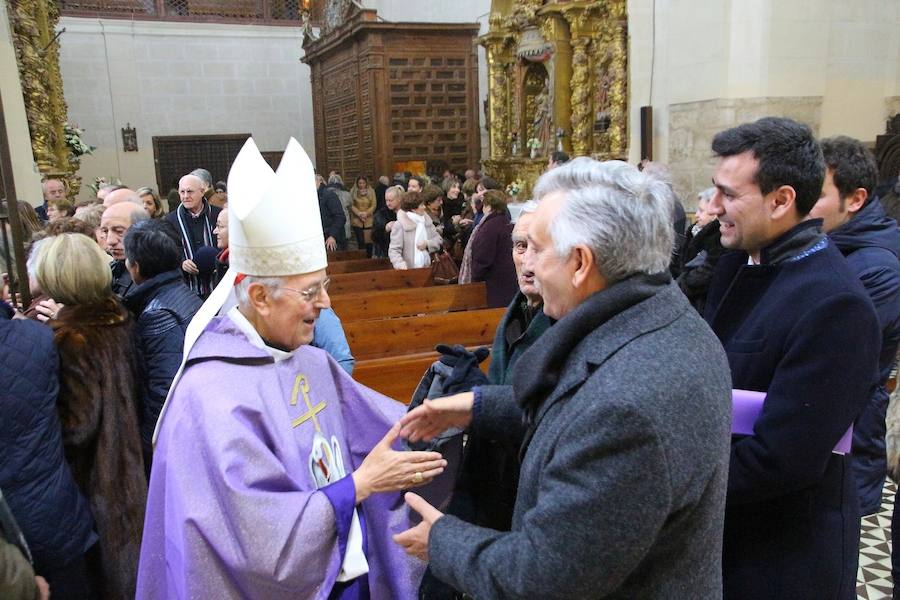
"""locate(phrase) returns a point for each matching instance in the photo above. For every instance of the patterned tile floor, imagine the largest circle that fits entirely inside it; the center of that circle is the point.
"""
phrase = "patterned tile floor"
(873, 580)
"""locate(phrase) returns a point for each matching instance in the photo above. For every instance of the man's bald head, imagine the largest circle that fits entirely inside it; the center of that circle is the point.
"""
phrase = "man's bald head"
(122, 195)
(115, 222)
(190, 190)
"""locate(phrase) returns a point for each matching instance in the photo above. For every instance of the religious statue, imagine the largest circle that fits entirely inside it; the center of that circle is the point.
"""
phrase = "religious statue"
(540, 122)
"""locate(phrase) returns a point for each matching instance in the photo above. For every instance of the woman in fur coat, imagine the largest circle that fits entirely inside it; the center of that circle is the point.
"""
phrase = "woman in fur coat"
(98, 393)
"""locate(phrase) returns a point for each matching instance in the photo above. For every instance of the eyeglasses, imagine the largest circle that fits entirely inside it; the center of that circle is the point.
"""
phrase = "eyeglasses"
(312, 293)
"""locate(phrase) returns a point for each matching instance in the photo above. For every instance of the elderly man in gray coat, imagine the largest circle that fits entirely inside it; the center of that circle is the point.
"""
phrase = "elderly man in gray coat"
(624, 447)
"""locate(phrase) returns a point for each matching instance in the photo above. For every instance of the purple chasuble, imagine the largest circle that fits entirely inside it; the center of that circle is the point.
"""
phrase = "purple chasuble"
(250, 494)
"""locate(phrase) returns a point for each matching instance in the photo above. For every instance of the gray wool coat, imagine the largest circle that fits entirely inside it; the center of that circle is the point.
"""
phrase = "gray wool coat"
(624, 462)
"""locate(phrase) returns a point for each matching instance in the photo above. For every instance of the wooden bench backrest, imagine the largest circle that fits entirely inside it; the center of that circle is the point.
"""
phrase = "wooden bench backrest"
(397, 376)
(339, 255)
(359, 266)
(405, 302)
(410, 335)
(371, 281)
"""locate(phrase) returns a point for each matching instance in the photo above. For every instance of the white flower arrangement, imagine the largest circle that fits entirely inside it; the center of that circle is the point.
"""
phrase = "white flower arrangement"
(75, 141)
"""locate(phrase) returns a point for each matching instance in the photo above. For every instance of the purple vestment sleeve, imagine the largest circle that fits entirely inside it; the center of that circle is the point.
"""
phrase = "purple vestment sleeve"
(342, 495)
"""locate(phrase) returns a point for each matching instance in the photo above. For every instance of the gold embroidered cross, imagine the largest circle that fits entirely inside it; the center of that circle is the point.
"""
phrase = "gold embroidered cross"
(300, 384)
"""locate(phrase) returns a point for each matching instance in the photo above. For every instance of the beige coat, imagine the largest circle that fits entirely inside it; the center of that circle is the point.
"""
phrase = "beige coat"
(403, 241)
(362, 204)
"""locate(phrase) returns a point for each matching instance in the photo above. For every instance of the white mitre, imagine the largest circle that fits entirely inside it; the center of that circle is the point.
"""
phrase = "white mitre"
(274, 228)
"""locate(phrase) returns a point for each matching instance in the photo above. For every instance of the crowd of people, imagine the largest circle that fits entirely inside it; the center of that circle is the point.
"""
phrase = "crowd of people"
(664, 414)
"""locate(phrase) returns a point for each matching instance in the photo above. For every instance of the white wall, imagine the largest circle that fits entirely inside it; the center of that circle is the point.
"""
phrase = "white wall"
(847, 53)
(181, 79)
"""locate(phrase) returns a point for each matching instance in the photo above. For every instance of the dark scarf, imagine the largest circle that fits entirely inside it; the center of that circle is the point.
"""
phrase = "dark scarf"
(541, 367)
(198, 284)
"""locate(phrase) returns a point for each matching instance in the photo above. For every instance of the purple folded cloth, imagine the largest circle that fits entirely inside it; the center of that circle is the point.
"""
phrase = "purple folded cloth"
(747, 405)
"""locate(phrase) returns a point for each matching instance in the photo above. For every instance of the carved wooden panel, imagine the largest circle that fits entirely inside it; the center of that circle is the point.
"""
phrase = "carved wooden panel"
(393, 92)
(176, 156)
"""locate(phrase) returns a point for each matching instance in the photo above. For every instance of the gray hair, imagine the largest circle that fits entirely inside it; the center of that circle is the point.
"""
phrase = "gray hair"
(394, 189)
(203, 175)
(272, 285)
(706, 195)
(658, 171)
(335, 179)
(622, 215)
(32, 262)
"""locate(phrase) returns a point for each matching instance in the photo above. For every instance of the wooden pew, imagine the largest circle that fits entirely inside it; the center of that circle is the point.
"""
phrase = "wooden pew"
(411, 335)
(371, 281)
(406, 302)
(339, 255)
(397, 376)
(359, 266)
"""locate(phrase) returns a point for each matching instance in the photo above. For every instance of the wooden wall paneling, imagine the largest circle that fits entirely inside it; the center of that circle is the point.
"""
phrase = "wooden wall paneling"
(395, 92)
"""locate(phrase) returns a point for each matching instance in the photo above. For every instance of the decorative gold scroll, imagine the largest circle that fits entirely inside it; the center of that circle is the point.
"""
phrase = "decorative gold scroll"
(37, 54)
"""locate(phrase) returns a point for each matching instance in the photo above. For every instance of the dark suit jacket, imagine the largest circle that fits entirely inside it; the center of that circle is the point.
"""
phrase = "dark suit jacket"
(802, 330)
(624, 465)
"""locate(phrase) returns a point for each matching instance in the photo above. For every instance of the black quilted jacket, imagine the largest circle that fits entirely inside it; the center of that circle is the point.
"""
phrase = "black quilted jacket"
(34, 475)
(162, 306)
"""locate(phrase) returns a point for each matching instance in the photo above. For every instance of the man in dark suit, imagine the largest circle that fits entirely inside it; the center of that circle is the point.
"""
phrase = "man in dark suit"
(623, 452)
(797, 325)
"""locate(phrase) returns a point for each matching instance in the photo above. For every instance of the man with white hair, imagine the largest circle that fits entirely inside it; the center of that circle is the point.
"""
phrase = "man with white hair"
(624, 453)
(273, 472)
(53, 189)
(195, 219)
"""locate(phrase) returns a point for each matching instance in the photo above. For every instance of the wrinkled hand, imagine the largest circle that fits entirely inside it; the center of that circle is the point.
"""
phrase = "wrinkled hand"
(422, 245)
(47, 309)
(331, 243)
(190, 266)
(389, 470)
(433, 417)
(466, 221)
(415, 540)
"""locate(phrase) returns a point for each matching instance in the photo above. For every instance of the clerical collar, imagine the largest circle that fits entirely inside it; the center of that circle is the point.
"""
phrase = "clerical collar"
(238, 318)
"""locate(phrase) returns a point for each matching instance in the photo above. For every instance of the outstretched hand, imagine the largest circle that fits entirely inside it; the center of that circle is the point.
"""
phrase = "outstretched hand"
(387, 470)
(415, 540)
(433, 417)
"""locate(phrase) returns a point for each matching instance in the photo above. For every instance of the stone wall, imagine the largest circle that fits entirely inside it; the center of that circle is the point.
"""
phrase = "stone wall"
(692, 126)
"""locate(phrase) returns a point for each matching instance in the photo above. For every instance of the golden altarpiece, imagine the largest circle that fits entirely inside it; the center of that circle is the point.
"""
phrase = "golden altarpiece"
(557, 80)
(37, 56)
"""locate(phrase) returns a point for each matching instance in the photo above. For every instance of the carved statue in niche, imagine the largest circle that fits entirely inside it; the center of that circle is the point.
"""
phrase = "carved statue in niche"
(538, 103)
(540, 122)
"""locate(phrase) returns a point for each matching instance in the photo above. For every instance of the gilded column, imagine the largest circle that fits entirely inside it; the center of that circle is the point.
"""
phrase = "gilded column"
(498, 90)
(34, 24)
(581, 97)
(618, 92)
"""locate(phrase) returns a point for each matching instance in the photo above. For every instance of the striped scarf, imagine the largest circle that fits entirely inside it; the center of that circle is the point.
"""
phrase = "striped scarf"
(198, 283)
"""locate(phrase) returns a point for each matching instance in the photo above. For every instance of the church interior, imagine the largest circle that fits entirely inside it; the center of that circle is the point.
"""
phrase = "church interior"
(139, 93)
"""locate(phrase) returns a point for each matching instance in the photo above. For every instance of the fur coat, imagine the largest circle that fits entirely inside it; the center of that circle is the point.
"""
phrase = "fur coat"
(98, 394)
